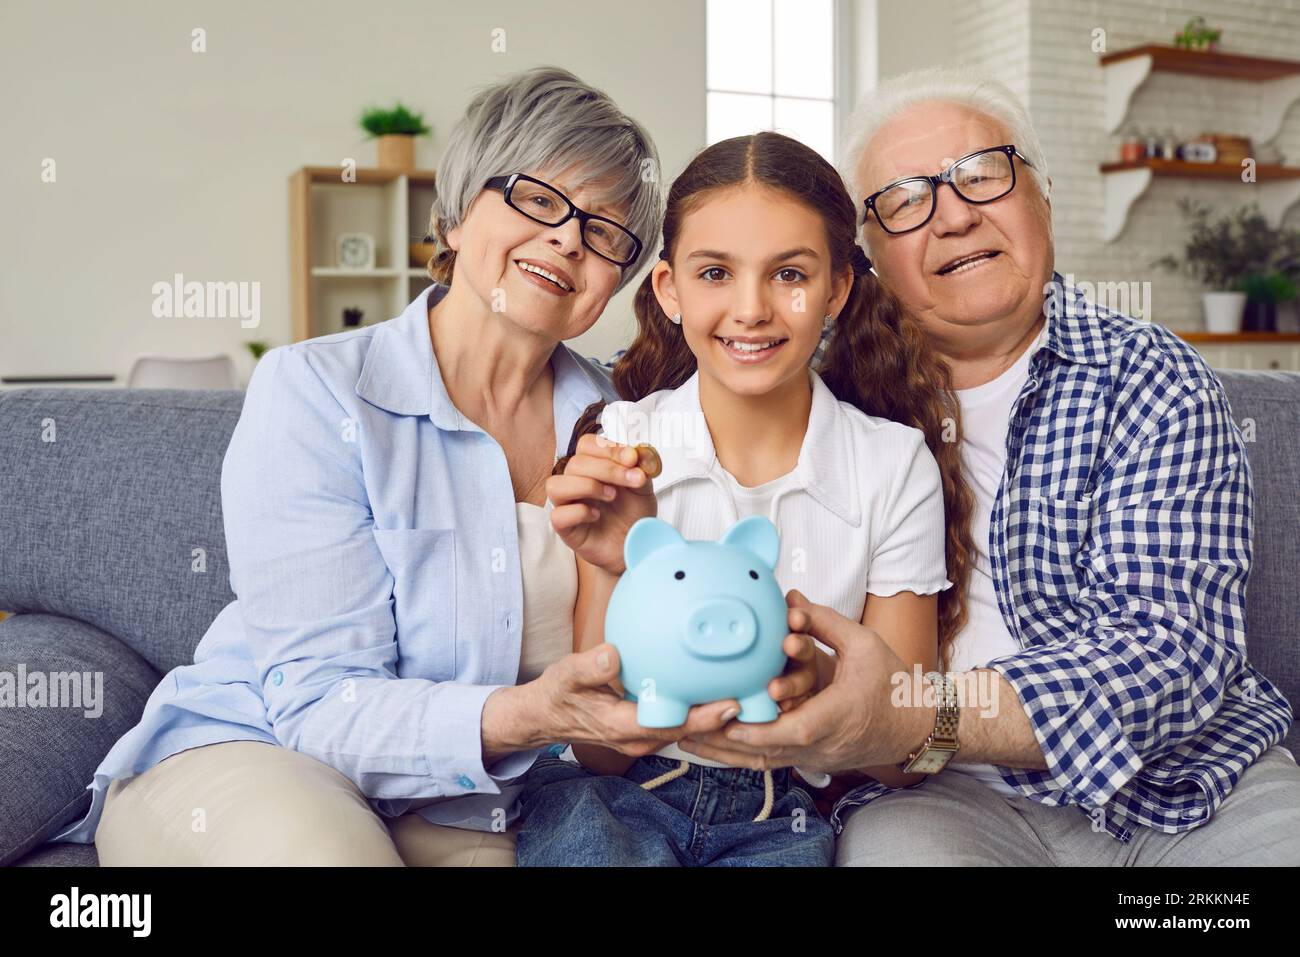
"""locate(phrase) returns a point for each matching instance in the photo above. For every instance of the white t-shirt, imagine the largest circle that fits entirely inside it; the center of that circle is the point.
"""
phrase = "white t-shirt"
(986, 416)
(861, 512)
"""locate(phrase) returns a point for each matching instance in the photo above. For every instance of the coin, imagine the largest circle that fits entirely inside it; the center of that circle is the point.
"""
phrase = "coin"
(649, 460)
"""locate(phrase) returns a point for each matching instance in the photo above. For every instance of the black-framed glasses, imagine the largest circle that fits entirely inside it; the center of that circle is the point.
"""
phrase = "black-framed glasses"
(979, 177)
(543, 203)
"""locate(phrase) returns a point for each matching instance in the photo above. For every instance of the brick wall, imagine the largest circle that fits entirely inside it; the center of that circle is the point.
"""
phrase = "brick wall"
(1043, 49)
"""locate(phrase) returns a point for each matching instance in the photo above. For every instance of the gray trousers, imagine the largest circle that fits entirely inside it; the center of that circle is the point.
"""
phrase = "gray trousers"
(955, 819)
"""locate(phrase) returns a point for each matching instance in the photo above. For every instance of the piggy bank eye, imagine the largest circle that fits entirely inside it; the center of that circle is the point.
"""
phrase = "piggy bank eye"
(679, 575)
(753, 574)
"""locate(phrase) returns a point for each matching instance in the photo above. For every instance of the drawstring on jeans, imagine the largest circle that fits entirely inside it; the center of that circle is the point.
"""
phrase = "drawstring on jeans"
(685, 766)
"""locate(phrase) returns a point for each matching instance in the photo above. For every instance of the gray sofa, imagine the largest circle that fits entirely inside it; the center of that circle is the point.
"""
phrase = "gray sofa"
(98, 535)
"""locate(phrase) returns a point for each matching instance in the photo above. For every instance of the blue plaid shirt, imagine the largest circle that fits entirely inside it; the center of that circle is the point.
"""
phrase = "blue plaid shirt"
(1120, 545)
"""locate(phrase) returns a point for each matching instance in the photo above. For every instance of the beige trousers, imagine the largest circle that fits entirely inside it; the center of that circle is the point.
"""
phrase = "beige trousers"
(258, 804)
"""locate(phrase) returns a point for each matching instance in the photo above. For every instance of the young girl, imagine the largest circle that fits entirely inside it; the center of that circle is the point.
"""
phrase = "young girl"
(759, 252)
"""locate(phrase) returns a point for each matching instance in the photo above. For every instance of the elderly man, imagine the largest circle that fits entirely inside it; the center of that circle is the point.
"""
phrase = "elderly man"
(1123, 723)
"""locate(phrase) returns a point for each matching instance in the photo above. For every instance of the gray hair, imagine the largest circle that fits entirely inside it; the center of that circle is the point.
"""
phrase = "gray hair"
(547, 119)
(951, 84)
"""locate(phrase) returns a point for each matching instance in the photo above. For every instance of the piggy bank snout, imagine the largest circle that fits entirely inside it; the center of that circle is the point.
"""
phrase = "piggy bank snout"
(720, 628)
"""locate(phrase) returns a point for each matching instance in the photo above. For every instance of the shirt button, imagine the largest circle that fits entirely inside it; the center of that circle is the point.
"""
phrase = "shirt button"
(465, 782)
(277, 678)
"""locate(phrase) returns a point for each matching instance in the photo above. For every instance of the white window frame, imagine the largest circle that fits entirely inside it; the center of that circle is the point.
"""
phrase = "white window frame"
(845, 24)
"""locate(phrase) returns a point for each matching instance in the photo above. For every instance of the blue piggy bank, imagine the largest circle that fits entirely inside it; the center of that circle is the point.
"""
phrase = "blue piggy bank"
(696, 622)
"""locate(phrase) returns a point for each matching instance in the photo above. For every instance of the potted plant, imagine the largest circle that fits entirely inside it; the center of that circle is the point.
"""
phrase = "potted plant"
(1220, 254)
(1264, 294)
(1285, 291)
(424, 250)
(1198, 35)
(396, 130)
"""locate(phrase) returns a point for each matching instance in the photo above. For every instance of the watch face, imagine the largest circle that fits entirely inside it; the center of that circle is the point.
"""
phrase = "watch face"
(931, 762)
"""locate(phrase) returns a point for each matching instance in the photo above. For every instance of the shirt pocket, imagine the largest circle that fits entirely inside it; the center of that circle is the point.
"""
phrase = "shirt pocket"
(422, 562)
(1057, 534)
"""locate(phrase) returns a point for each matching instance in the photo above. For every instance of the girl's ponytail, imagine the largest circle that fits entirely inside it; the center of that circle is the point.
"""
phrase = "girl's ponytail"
(657, 359)
(879, 360)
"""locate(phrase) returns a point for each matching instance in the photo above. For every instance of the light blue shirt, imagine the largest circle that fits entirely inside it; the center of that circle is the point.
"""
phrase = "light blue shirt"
(373, 547)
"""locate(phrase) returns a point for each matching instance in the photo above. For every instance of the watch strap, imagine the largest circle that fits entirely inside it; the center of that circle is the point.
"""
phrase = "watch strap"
(941, 744)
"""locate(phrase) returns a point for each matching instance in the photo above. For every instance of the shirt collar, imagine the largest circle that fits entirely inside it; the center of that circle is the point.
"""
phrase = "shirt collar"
(825, 468)
(400, 374)
(1075, 326)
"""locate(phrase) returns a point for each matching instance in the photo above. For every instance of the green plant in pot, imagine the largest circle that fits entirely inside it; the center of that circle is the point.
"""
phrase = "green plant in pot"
(1265, 293)
(1220, 253)
(1279, 291)
(396, 130)
(1198, 35)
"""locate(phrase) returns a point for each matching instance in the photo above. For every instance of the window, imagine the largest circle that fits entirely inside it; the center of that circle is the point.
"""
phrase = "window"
(772, 65)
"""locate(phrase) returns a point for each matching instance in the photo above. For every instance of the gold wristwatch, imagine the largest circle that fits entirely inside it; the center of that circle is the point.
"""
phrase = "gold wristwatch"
(937, 750)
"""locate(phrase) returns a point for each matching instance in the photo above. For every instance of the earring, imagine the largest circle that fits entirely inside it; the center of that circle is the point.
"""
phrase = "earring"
(675, 318)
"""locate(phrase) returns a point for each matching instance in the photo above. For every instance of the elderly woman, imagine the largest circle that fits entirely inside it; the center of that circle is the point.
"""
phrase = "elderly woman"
(399, 650)
(1101, 708)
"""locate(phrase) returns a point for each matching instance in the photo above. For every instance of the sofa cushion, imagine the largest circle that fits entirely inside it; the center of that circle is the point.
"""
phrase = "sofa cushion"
(61, 855)
(1266, 406)
(110, 501)
(55, 745)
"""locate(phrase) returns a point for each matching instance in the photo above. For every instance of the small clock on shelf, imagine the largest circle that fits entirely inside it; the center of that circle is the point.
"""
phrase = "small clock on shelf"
(356, 251)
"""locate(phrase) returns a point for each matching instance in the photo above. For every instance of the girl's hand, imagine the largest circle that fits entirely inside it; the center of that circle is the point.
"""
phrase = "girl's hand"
(807, 671)
(601, 495)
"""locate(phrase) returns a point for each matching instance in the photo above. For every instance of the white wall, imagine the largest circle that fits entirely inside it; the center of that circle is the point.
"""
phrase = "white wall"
(171, 161)
(911, 34)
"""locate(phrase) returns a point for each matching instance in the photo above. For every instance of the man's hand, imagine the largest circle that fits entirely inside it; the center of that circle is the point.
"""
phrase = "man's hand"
(849, 724)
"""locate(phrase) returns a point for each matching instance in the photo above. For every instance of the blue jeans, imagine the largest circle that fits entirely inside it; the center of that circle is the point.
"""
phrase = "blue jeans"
(574, 817)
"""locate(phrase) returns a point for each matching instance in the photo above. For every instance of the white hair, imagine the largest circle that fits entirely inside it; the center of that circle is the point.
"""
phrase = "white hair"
(963, 85)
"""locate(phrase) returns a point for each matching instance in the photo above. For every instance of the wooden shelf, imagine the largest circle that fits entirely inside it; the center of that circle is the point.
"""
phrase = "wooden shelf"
(333, 175)
(391, 205)
(1231, 66)
(334, 272)
(1227, 171)
(1227, 338)
(1126, 70)
(1277, 187)
(1268, 351)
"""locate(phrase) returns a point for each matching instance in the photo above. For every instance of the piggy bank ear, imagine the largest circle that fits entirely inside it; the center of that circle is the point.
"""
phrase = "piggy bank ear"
(648, 535)
(757, 534)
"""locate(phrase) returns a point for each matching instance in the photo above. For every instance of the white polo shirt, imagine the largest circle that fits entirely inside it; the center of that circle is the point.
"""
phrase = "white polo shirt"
(861, 512)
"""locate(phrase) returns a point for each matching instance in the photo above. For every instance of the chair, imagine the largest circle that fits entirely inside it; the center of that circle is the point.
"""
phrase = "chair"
(166, 372)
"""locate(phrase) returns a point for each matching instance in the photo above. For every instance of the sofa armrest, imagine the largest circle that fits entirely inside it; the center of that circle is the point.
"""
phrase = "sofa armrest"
(68, 691)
